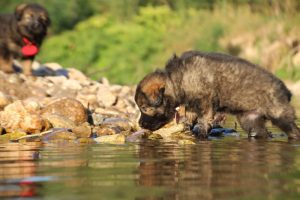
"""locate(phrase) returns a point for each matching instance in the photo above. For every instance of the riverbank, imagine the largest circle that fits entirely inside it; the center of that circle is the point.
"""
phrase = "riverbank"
(58, 104)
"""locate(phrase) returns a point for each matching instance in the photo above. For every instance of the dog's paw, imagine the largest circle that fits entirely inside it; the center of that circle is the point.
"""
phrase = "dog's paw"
(200, 131)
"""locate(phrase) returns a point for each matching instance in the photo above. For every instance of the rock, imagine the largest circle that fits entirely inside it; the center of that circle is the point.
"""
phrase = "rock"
(71, 85)
(168, 132)
(15, 79)
(296, 59)
(137, 136)
(295, 88)
(86, 140)
(59, 135)
(68, 108)
(105, 96)
(155, 136)
(43, 71)
(106, 130)
(22, 115)
(58, 92)
(104, 81)
(5, 100)
(123, 124)
(58, 121)
(111, 139)
(15, 135)
(83, 131)
(32, 123)
(186, 142)
(97, 119)
(108, 111)
(77, 75)
(53, 66)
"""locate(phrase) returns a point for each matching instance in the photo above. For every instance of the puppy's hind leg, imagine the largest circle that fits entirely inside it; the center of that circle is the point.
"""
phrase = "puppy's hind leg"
(254, 124)
(286, 122)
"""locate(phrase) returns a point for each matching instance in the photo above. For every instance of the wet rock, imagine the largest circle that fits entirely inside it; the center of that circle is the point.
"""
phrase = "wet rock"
(186, 142)
(169, 131)
(68, 108)
(83, 131)
(86, 140)
(15, 135)
(58, 121)
(105, 96)
(111, 139)
(59, 135)
(155, 136)
(137, 136)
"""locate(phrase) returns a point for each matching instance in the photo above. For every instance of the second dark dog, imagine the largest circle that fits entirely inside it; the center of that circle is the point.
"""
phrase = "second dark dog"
(207, 83)
(21, 35)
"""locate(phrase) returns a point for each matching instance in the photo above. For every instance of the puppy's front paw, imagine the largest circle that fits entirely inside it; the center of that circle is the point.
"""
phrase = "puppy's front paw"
(200, 131)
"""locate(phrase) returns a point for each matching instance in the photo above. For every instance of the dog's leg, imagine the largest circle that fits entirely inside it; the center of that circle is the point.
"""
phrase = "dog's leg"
(6, 60)
(6, 65)
(254, 124)
(286, 122)
(205, 114)
(27, 66)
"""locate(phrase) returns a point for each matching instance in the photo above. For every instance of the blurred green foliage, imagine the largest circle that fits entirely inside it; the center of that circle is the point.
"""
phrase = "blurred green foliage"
(125, 39)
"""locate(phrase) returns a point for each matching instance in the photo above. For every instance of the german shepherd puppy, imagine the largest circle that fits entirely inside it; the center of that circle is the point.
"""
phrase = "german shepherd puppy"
(209, 83)
(21, 35)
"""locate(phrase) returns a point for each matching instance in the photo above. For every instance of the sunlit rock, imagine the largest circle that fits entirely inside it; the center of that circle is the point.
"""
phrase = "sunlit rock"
(69, 108)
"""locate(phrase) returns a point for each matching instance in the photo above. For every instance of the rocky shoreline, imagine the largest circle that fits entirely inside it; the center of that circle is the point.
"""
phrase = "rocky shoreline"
(59, 105)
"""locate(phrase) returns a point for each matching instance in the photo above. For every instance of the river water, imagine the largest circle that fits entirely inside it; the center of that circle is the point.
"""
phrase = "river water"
(219, 168)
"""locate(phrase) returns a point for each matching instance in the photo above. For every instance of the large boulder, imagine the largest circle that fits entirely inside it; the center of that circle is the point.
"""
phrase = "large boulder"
(68, 108)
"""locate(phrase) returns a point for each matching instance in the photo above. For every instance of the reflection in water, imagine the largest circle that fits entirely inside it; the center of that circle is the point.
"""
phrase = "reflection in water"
(227, 168)
(17, 162)
(222, 170)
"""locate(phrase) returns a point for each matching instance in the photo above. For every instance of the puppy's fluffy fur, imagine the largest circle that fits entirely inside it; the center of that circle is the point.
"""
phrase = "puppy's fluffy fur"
(29, 21)
(207, 83)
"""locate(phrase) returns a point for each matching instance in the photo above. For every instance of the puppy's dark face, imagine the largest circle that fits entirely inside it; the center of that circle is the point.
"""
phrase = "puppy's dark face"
(32, 19)
(156, 108)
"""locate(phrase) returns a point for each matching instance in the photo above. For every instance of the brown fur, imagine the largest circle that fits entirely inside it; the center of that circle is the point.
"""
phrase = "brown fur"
(30, 21)
(208, 83)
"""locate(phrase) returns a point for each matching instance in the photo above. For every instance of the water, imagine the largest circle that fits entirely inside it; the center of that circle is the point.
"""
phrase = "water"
(220, 168)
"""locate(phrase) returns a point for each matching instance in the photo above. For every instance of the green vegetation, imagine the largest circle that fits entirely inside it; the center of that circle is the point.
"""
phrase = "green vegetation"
(123, 40)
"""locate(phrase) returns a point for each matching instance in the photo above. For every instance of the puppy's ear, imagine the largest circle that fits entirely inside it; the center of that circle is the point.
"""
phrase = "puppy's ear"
(19, 11)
